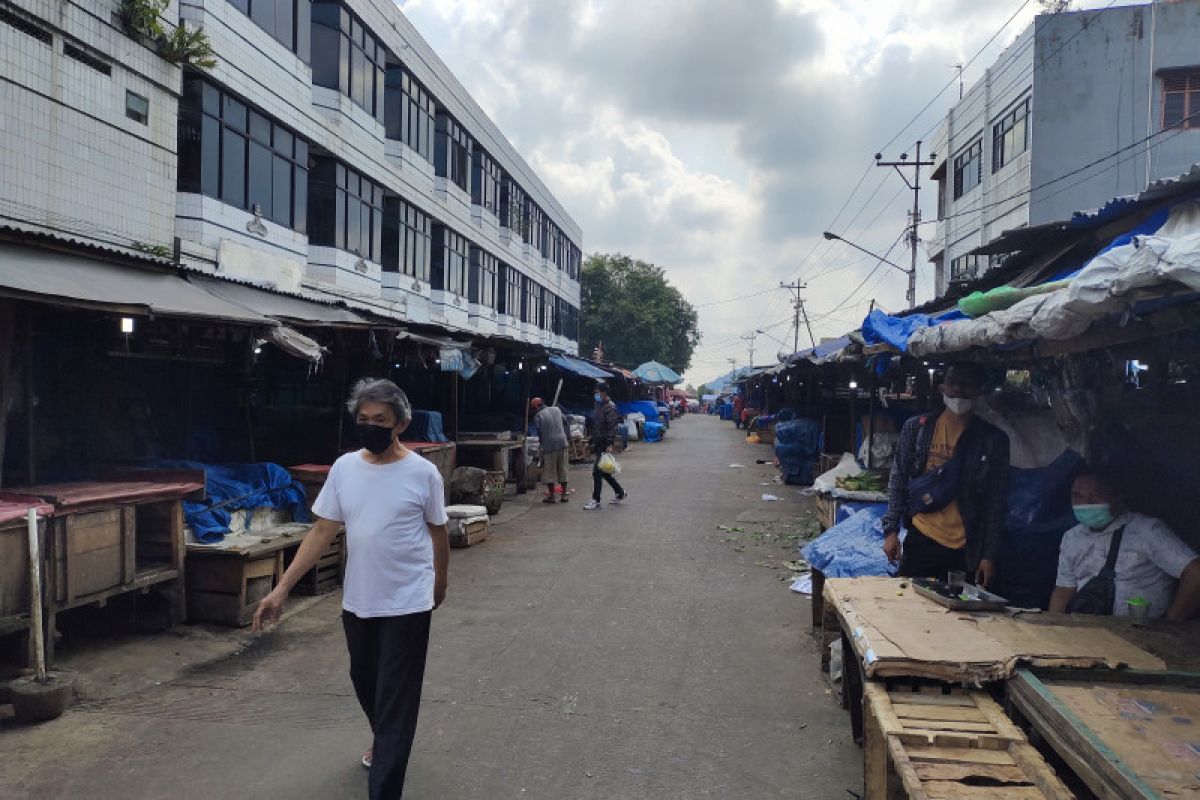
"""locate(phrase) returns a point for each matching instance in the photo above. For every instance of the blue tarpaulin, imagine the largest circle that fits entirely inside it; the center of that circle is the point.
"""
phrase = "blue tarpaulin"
(232, 487)
(579, 367)
(852, 548)
(647, 407)
(426, 426)
(881, 328)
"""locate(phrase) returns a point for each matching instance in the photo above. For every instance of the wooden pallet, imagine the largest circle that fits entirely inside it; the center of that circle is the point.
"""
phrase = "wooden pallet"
(326, 576)
(957, 746)
(464, 533)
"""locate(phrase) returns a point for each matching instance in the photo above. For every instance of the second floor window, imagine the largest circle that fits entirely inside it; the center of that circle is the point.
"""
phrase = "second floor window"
(535, 220)
(510, 292)
(345, 210)
(407, 233)
(1010, 136)
(230, 151)
(287, 20)
(484, 274)
(486, 176)
(968, 169)
(512, 207)
(450, 253)
(452, 153)
(1181, 100)
(347, 57)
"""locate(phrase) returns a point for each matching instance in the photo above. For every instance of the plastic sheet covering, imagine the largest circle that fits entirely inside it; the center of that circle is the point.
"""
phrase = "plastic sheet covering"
(1169, 258)
(648, 408)
(296, 343)
(233, 487)
(426, 426)
(654, 432)
(798, 448)
(1039, 513)
(853, 548)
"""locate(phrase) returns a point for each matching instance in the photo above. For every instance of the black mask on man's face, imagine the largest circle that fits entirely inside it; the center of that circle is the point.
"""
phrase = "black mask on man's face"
(376, 438)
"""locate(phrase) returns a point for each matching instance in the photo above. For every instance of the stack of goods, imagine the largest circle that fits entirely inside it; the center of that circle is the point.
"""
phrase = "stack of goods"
(468, 525)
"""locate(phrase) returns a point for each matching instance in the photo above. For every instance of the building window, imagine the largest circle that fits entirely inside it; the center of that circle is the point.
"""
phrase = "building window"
(230, 151)
(967, 268)
(288, 21)
(452, 154)
(409, 111)
(25, 26)
(347, 57)
(1010, 136)
(1181, 100)
(486, 176)
(549, 306)
(535, 220)
(531, 304)
(484, 273)
(346, 210)
(968, 169)
(137, 108)
(450, 254)
(512, 207)
(510, 292)
(406, 238)
(87, 59)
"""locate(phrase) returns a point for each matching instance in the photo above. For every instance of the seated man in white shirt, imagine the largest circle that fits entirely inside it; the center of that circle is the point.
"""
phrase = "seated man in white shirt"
(1152, 562)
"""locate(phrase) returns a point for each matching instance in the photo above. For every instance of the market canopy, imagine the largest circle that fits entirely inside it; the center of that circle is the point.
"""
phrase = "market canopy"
(654, 372)
(578, 367)
(52, 277)
(282, 306)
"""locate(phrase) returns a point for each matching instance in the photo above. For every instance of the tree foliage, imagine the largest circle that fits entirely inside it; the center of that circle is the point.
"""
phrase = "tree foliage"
(629, 306)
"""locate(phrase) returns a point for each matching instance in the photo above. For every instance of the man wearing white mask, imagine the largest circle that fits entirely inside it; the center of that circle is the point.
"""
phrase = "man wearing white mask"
(1150, 565)
(949, 487)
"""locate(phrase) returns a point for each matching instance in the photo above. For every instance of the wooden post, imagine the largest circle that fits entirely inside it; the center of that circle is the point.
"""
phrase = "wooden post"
(35, 597)
(871, 423)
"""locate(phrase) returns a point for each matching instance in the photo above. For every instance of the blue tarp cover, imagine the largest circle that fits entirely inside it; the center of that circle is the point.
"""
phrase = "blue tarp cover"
(579, 367)
(231, 487)
(426, 426)
(647, 407)
(881, 328)
(852, 548)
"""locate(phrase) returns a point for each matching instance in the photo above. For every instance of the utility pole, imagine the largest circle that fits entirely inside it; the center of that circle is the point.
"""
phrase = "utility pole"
(798, 305)
(914, 218)
(749, 337)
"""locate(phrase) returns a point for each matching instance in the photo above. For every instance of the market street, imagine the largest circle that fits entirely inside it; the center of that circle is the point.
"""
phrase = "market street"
(633, 652)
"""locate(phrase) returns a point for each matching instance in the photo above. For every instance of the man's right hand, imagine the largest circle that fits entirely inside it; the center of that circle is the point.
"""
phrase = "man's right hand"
(269, 610)
(891, 547)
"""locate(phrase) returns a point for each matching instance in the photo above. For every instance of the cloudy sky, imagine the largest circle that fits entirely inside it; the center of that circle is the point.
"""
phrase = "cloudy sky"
(718, 138)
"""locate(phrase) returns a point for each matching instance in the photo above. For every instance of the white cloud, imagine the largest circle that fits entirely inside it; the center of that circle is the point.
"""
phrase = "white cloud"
(718, 138)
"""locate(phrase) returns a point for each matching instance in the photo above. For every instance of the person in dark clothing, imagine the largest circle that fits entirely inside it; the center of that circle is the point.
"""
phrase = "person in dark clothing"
(965, 532)
(604, 433)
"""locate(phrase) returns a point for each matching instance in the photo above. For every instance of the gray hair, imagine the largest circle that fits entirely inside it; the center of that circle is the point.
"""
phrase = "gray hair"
(379, 390)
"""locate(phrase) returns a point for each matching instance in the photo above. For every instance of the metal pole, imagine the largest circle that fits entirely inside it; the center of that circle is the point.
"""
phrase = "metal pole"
(35, 596)
(916, 220)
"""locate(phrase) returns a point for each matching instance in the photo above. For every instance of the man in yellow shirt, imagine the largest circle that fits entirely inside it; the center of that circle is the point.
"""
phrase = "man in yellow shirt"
(949, 487)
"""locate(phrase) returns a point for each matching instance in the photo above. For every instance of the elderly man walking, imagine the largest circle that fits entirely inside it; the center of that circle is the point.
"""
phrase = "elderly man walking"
(553, 436)
(398, 552)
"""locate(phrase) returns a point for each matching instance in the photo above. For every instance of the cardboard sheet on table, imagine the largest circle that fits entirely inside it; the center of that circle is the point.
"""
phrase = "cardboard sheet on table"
(906, 635)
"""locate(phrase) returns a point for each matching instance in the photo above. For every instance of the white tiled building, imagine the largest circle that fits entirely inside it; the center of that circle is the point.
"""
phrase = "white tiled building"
(1081, 107)
(329, 151)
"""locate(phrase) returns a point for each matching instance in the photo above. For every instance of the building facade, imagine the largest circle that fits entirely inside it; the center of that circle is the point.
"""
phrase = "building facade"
(1082, 107)
(328, 152)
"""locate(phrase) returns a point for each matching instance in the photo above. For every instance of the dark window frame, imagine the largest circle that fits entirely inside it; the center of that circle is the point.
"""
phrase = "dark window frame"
(207, 112)
(137, 114)
(486, 178)
(451, 258)
(1181, 99)
(1002, 153)
(453, 152)
(971, 155)
(484, 278)
(362, 58)
(288, 22)
(357, 203)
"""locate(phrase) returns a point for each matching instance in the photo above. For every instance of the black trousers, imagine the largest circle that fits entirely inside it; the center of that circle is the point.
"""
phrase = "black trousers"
(387, 667)
(925, 558)
(598, 477)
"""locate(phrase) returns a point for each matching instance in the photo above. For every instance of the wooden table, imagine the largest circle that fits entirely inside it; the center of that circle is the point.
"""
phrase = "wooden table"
(495, 455)
(1131, 734)
(109, 538)
(15, 594)
(226, 580)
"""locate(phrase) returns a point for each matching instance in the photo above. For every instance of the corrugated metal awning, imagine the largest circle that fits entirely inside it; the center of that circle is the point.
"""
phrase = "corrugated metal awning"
(284, 307)
(48, 276)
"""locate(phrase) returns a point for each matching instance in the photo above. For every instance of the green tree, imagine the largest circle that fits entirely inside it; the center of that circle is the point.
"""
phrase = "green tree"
(629, 306)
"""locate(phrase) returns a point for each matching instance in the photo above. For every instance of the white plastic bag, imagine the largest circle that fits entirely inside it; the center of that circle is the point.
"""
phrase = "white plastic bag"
(609, 464)
(847, 467)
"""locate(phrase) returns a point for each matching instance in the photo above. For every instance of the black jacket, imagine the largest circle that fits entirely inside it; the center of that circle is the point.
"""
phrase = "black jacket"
(605, 422)
(982, 494)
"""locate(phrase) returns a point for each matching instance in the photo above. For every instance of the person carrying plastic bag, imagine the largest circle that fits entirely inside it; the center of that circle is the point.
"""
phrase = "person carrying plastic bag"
(604, 421)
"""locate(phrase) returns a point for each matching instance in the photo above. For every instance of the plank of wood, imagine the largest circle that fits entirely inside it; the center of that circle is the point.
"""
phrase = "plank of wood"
(953, 790)
(969, 713)
(969, 755)
(875, 753)
(956, 725)
(940, 771)
(914, 698)
(1032, 764)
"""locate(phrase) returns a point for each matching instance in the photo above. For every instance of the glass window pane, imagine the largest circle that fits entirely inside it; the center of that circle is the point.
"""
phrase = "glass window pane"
(189, 151)
(234, 114)
(326, 62)
(353, 233)
(284, 23)
(259, 180)
(263, 14)
(339, 219)
(233, 168)
(283, 142)
(301, 152)
(300, 201)
(303, 30)
(260, 128)
(210, 156)
(281, 191)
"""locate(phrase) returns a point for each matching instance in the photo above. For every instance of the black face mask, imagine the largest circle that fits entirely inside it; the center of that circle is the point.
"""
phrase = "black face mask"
(375, 438)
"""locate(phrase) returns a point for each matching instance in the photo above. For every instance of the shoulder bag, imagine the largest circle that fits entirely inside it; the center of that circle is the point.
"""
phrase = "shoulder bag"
(1099, 593)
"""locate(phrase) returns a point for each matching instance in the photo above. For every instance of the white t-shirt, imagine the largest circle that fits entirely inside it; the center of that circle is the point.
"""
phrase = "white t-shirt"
(387, 509)
(1149, 563)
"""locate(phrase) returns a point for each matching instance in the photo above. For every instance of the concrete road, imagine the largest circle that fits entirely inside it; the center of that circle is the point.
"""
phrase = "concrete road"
(634, 652)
